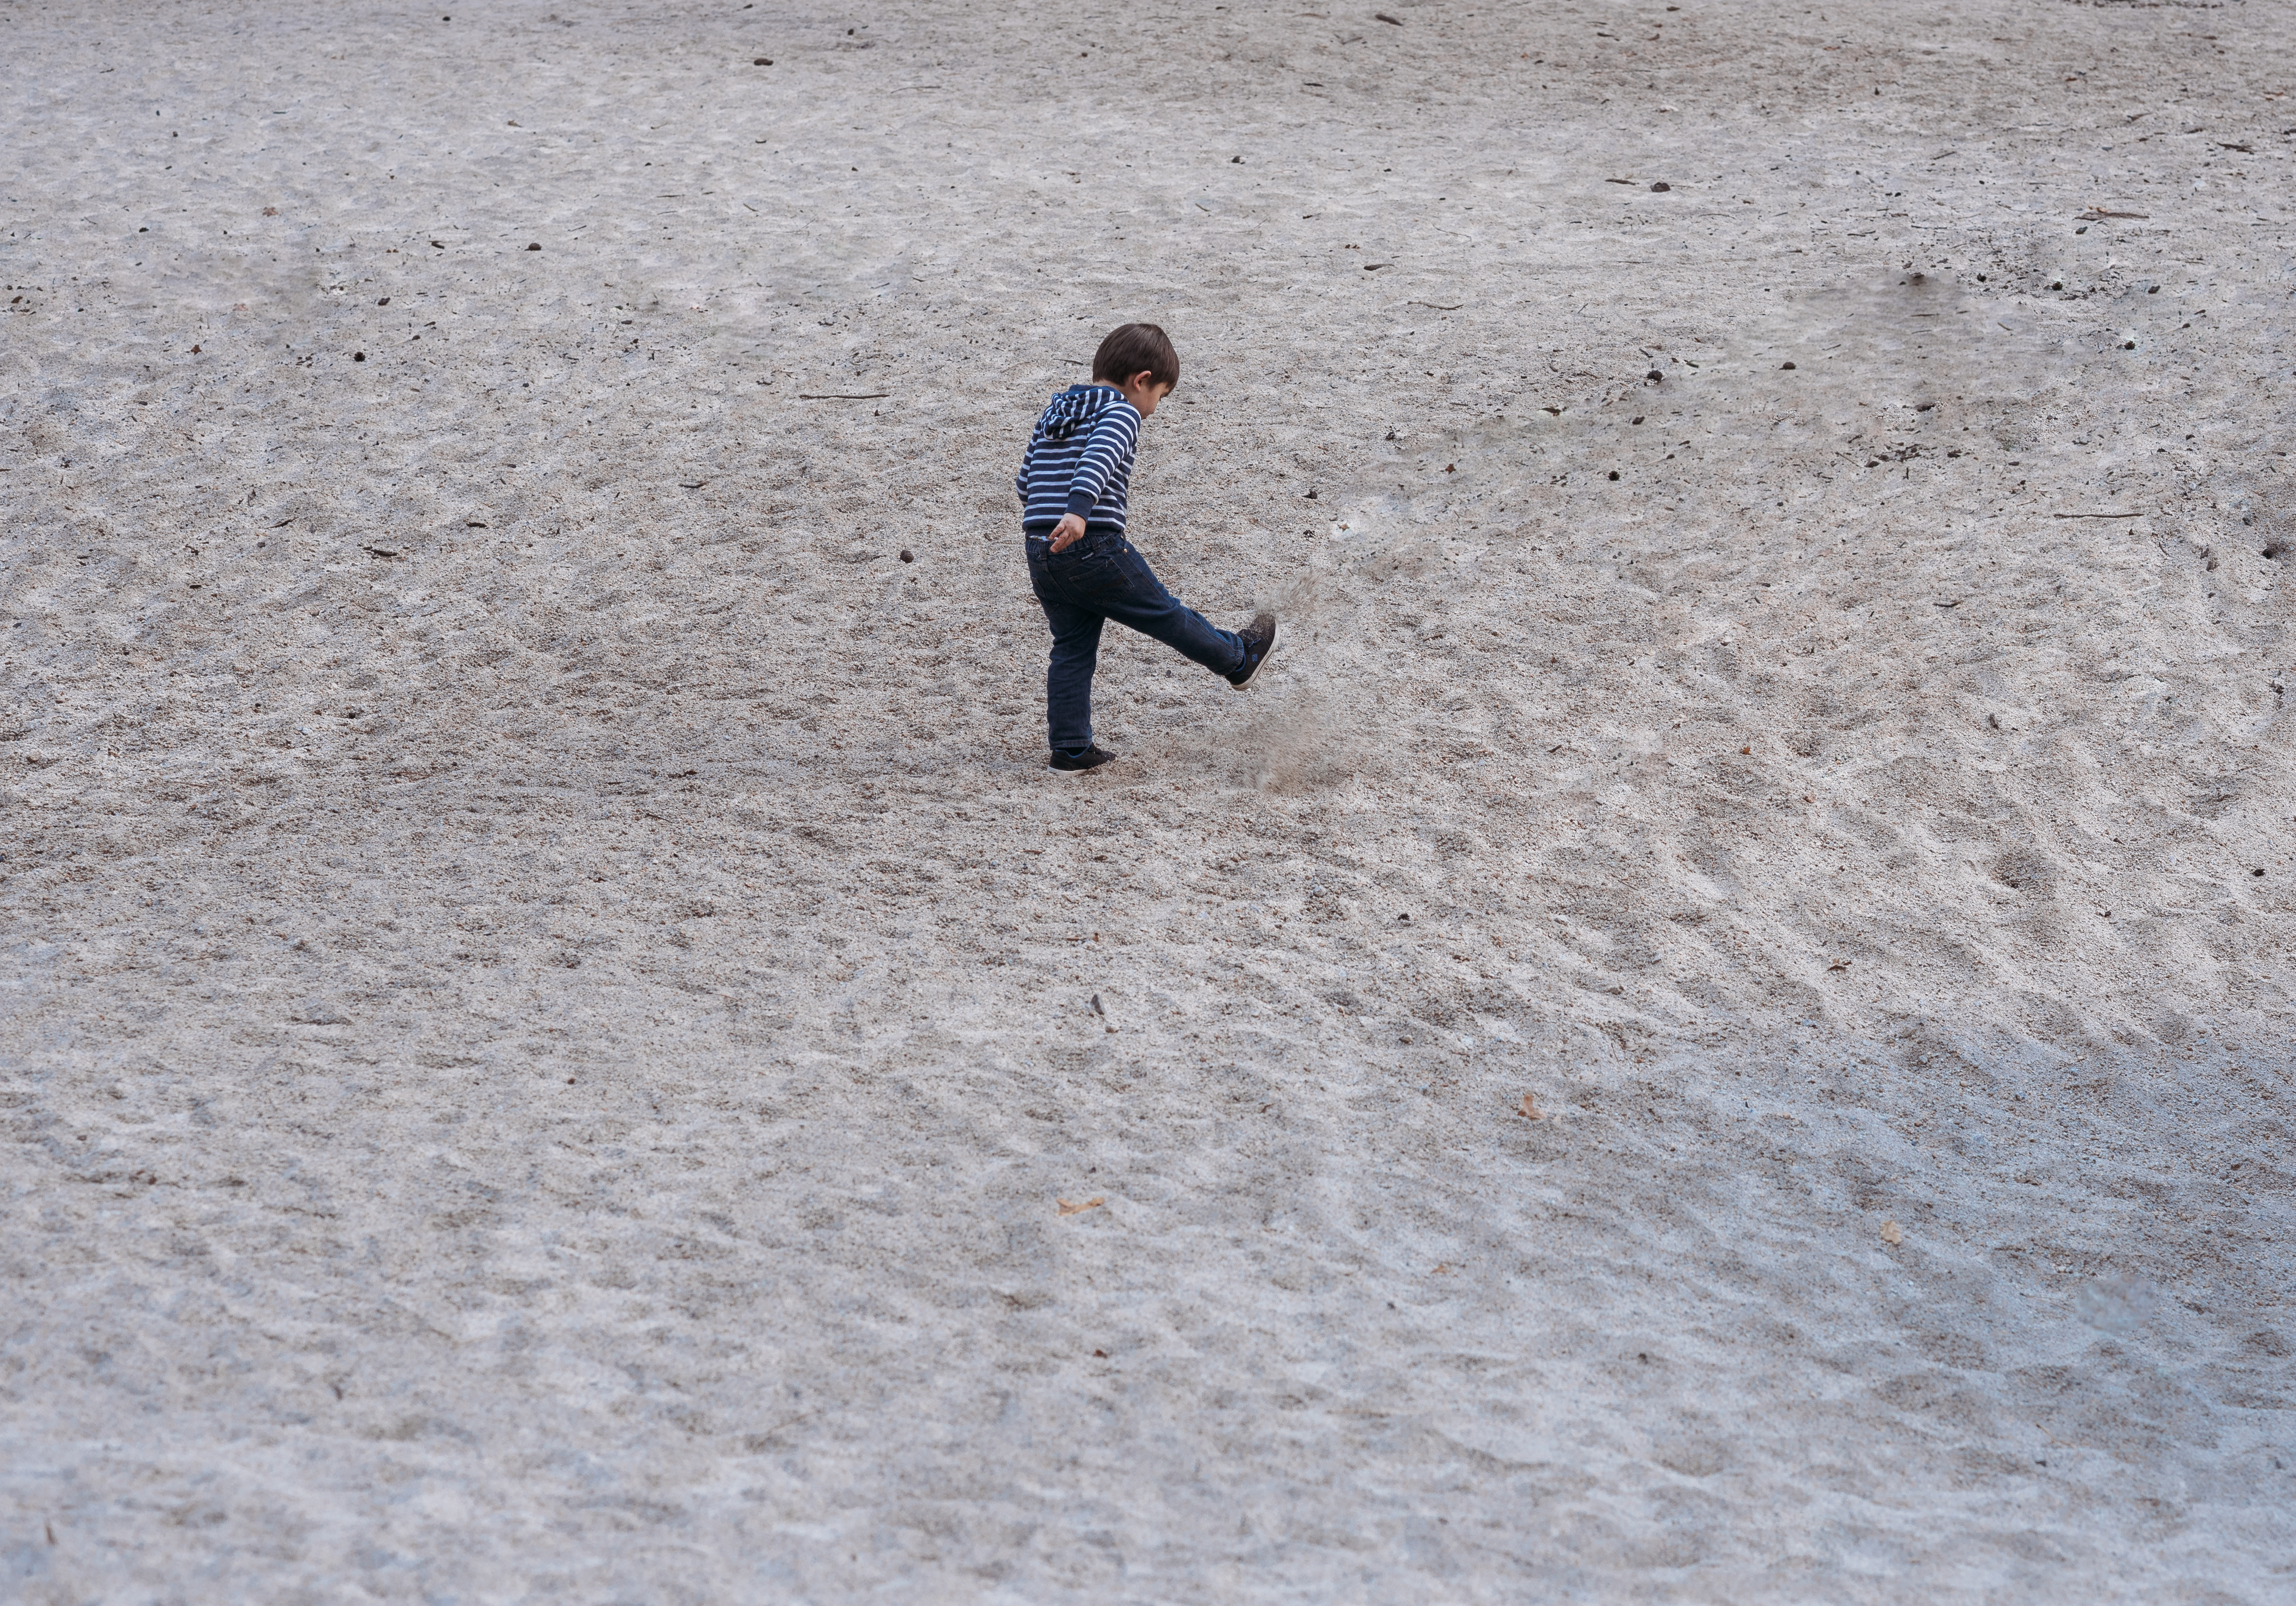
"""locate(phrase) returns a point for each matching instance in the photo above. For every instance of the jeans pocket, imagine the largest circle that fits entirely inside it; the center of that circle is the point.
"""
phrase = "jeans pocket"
(1088, 557)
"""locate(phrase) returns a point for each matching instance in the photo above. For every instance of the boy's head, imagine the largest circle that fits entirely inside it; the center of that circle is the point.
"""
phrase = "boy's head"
(1135, 349)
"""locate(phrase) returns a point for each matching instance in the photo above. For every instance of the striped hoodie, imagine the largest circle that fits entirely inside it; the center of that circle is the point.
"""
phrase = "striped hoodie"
(1078, 460)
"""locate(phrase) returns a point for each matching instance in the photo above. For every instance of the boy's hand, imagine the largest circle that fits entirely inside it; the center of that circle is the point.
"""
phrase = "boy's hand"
(1067, 533)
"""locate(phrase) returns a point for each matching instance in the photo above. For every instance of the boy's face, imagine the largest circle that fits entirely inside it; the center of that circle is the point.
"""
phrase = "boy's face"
(1144, 392)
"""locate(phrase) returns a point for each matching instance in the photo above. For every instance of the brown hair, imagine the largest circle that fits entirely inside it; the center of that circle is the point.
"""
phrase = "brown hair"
(1137, 348)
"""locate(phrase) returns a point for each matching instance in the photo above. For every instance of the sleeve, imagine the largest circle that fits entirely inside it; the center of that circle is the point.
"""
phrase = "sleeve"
(1020, 480)
(1105, 453)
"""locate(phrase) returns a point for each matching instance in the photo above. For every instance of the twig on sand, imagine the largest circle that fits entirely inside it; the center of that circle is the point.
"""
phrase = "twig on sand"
(2097, 515)
(843, 396)
(1069, 1208)
(2098, 215)
(1438, 306)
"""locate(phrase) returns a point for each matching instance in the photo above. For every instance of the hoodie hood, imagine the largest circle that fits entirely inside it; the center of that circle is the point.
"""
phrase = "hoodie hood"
(1076, 408)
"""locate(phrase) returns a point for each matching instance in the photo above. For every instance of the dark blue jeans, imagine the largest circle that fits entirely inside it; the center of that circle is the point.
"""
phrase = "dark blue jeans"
(1102, 577)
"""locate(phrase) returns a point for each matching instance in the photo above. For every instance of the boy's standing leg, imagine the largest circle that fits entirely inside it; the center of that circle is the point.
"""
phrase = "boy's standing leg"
(1076, 627)
(1067, 678)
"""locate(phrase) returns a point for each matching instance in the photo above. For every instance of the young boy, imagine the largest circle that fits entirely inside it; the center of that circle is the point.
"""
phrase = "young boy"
(1073, 484)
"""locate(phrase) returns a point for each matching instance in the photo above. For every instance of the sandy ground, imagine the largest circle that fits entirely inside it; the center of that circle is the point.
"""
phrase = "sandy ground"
(547, 1007)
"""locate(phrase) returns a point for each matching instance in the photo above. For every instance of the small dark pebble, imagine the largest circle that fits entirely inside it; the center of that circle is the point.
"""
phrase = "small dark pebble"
(1655, 375)
(384, 302)
(1785, 364)
(1238, 160)
(908, 556)
(2082, 230)
(763, 62)
(2129, 345)
(1311, 493)
(2059, 284)
(1662, 187)
(2256, 872)
(358, 356)
(1614, 473)
(536, 246)
(1637, 421)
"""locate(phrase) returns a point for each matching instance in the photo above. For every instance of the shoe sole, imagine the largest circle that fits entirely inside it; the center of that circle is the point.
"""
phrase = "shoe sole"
(1262, 664)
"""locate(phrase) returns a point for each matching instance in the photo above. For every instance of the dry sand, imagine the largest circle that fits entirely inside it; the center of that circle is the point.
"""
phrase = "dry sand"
(547, 996)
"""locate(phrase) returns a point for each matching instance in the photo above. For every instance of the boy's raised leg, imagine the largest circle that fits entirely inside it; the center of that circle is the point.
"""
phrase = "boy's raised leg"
(1139, 602)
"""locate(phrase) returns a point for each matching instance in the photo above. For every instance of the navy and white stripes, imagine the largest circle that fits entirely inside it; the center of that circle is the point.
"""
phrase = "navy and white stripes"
(1080, 459)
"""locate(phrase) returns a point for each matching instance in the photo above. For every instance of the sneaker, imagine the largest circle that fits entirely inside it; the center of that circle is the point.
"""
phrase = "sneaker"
(1259, 642)
(1092, 758)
